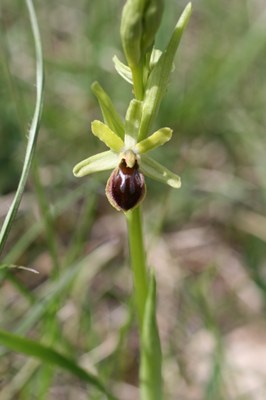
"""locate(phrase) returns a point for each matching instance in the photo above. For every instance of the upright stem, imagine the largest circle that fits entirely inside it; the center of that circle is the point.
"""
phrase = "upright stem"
(138, 260)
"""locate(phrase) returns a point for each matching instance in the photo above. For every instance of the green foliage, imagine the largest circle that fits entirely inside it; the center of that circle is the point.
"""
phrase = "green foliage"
(33, 129)
(159, 76)
(207, 239)
(48, 355)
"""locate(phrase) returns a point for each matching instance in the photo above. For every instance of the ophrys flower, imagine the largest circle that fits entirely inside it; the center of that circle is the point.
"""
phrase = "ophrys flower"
(129, 161)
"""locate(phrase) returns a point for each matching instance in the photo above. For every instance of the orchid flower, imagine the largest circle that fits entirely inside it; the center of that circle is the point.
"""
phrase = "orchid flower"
(129, 142)
(129, 161)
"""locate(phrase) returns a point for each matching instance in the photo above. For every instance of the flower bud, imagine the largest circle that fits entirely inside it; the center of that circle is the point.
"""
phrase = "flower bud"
(131, 31)
(152, 18)
(139, 24)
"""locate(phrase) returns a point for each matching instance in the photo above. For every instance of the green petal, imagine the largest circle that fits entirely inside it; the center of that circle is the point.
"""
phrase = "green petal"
(110, 115)
(106, 135)
(158, 172)
(99, 162)
(158, 138)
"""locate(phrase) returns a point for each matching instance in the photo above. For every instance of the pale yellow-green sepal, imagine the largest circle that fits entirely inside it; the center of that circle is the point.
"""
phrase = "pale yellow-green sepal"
(156, 171)
(158, 138)
(110, 115)
(99, 162)
(106, 135)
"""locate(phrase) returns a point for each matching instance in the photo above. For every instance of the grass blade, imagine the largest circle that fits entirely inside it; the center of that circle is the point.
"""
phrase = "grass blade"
(48, 355)
(33, 132)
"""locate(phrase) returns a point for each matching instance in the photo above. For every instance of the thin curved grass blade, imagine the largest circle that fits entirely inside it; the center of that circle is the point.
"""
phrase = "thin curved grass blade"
(33, 132)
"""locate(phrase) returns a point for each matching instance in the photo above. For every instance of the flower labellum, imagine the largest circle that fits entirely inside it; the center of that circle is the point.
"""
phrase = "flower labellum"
(126, 186)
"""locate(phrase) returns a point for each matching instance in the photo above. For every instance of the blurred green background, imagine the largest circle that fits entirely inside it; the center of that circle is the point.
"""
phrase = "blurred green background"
(206, 240)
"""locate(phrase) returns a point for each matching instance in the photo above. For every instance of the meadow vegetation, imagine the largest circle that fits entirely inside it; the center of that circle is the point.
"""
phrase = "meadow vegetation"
(206, 241)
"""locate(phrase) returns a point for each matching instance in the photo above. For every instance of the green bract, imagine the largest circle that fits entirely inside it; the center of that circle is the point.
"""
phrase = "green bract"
(159, 76)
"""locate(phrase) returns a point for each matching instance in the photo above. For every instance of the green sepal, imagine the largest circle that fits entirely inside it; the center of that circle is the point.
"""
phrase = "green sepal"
(158, 79)
(156, 171)
(110, 115)
(151, 356)
(133, 117)
(106, 135)
(99, 162)
(158, 138)
(123, 70)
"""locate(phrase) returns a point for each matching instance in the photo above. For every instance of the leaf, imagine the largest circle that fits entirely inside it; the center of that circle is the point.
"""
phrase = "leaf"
(151, 356)
(51, 356)
(158, 79)
(110, 115)
(34, 128)
(4, 266)
(51, 292)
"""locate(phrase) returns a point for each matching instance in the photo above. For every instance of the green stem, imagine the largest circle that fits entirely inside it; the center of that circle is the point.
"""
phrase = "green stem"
(138, 260)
